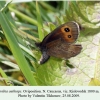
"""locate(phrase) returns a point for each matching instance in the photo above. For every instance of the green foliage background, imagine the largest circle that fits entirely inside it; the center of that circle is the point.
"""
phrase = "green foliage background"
(31, 22)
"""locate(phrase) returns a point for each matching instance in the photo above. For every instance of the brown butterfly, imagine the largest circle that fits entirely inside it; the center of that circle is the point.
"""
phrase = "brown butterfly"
(60, 42)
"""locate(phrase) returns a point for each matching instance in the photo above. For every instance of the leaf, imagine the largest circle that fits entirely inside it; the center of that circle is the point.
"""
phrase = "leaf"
(86, 64)
(94, 82)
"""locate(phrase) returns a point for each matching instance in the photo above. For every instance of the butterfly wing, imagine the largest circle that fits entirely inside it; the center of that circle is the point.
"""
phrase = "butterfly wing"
(63, 50)
(67, 32)
(44, 57)
(59, 42)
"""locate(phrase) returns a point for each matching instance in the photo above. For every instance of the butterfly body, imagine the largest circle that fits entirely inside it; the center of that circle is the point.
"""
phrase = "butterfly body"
(60, 42)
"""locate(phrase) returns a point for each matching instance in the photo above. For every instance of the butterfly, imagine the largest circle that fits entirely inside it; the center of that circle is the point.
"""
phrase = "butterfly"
(60, 42)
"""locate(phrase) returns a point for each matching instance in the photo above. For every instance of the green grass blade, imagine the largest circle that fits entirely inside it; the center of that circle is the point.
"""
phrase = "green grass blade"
(41, 36)
(5, 78)
(30, 20)
(47, 6)
(17, 52)
(65, 6)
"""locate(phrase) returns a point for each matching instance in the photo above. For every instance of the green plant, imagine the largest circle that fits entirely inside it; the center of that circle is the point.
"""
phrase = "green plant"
(32, 22)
